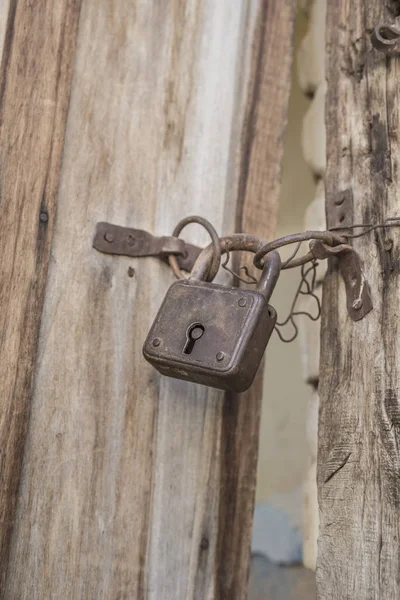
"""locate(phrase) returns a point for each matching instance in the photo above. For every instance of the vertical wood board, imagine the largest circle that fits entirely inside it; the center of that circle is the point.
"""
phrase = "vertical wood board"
(35, 79)
(358, 462)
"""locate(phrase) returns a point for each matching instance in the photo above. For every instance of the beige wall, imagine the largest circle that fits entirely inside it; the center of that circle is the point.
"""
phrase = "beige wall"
(284, 454)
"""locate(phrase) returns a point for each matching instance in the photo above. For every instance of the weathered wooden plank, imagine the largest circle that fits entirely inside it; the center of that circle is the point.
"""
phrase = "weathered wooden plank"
(262, 136)
(136, 486)
(359, 463)
(35, 80)
(260, 154)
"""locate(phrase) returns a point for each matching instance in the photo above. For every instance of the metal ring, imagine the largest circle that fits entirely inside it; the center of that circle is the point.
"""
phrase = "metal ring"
(332, 239)
(216, 246)
(386, 38)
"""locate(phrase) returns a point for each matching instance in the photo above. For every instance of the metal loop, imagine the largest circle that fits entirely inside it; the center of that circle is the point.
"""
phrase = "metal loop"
(330, 238)
(386, 38)
(309, 291)
(216, 247)
(270, 275)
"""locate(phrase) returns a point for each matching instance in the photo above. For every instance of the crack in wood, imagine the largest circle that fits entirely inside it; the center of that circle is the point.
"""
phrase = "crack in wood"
(343, 463)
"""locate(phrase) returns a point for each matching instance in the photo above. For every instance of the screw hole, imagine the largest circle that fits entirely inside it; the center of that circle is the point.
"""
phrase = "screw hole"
(341, 218)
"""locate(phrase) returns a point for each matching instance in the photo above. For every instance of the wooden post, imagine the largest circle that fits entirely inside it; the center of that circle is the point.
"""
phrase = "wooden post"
(117, 483)
(359, 461)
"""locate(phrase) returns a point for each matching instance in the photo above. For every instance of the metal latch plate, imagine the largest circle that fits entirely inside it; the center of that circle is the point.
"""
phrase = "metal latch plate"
(114, 239)
(358, 293)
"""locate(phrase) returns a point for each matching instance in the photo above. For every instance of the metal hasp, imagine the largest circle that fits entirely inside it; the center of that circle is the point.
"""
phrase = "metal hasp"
(359, 302)
(339, 213)
(326, 244)
(114, 239)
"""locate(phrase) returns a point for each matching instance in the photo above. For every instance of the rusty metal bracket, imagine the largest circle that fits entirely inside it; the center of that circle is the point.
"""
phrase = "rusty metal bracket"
(359, 302)
(339, 210)
(114, 239)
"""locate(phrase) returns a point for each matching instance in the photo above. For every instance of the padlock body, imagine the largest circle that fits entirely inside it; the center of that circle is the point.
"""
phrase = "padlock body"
(234, 326)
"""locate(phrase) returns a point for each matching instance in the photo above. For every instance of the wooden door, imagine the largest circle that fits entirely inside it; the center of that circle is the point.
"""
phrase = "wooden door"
(116, 482)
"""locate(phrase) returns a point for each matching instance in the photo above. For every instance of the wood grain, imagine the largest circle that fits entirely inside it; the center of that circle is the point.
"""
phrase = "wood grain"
(260, 153)
(35, 80)
(359, 462)
(136, 486)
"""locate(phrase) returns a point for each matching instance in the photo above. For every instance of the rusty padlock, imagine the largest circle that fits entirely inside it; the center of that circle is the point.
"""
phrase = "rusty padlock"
(211, 334)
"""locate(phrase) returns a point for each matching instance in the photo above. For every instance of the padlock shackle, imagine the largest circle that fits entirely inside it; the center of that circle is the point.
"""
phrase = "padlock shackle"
(246, 242)
(270, 274)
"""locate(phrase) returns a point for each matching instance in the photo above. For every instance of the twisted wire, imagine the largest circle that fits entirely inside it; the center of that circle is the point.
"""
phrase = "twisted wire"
(309, 291)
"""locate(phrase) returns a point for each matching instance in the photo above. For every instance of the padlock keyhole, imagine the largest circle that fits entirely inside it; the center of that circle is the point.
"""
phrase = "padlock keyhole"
(194, 332)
